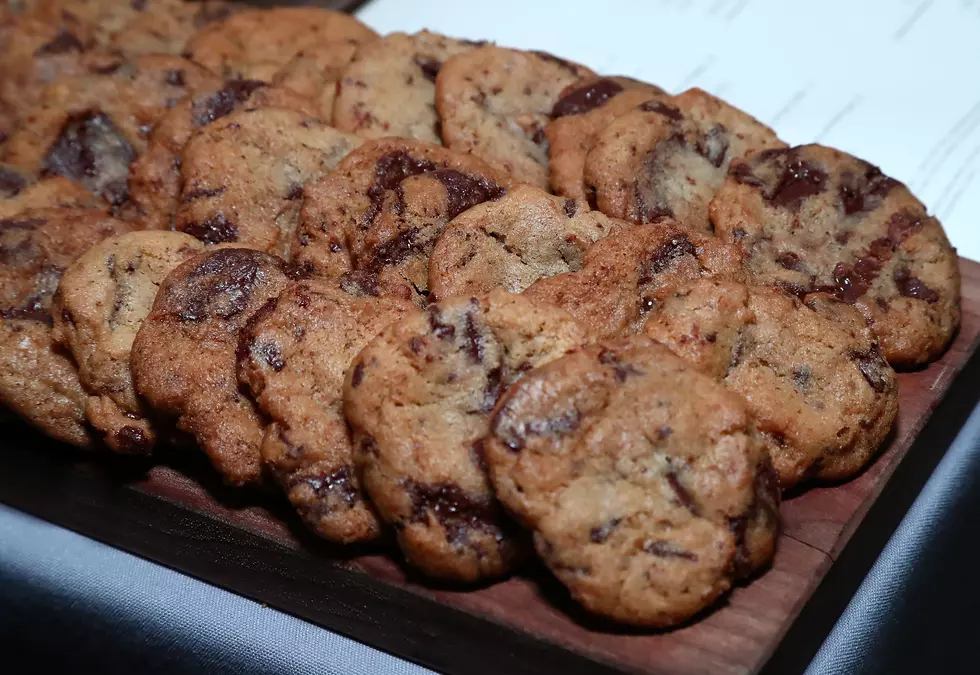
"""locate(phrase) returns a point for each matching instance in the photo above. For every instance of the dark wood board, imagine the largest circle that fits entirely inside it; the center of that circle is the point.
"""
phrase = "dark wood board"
(180, 515)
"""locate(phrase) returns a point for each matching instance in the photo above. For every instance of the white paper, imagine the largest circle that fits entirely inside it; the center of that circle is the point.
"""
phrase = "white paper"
(896, 82)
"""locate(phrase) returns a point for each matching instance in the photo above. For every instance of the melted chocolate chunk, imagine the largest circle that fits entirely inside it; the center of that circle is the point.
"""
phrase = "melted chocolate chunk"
(132, 439)
(800, 180)
(586, 98)
(31, 313)
(570, 206)
(357, 376)
(391, 170)
(429, 66)
(873, 367)
(713, 146)
(443, 331)
(662, 108)
(361, 283)
(271, 353)
(338, 485)
(678, 246)
(464, 191)
(494, 388)
(295, 192)
(664, 549)
(912, 287)
(458, 511)
(902, 225)
(790, 261)
(508, 427)
(742, 173)
(215, 230)
(221, 284)
(92, 151)
(684, 496)
(865, 193)
(11, 182)
(472, 340)
(63, 43)
(218, 104)
(599, 534)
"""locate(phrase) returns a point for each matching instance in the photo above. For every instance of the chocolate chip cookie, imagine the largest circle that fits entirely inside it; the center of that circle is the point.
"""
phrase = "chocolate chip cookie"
(242, 177)
(315, 75)
(625, 275)
(512, 242)
(38, 380)
(20, 191)
(496, 102)
(812, 218)
(667, 159)
(583, 110)
(643, 505)
(821, 393)
(184, 355)
(390, 87)
(154, 178)
(293, 356)
(418, 399)
(374, 220)
(89, 128)
(254, 44)
(101, 302)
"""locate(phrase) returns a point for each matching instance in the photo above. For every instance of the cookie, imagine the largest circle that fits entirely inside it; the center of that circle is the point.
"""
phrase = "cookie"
(38, 380)
(165, 27)
(625, 275)
(645, 485)
(512, 242)
(101, 302)
(154, 178)
(822, 396)
(19, 192)
(390, 87)
(374, 220)
(813, 219)
(315, 75)
(89, 128)
(418, 399)
(583, 110)
(667, 159)
(254, 44)
(495, 103)
(293, 356)
(242, 177)
(184, 355)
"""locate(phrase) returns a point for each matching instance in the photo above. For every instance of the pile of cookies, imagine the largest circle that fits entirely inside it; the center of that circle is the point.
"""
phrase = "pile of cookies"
(482, 298)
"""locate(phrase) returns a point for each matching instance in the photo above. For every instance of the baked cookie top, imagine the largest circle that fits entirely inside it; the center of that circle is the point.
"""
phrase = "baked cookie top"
(495, 103)
(101, 302)
(293, 356)
(374, 220)
(512, 242)
(184, 355)
(625, 275)
(418, 399)
(643, 505)
(812, 218)
(823, 397)
(666, 159)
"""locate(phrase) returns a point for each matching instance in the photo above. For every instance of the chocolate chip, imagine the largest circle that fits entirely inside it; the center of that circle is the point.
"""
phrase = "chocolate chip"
(361, 283)
(713, 146)
(357, 376)
(479, 454)
(271, 353)
(391, 170)
(494, 388)
(662, 108)
(430, 67)
(912, 287)
(221, 284)
(664, 549)
(741, 172)
(663, 433)
(91, 150)
(539, 137)
(200, 193)
(902, 225)
(650, 212)
(800, 179)
(32, 313)
(222, 102)
(677, 247)
(472, 340)
(215, 230)
(336, 485)
(873, 367)
(865, 193)
(464, 191)
(295, 192)
(599, 534)
(587, 97)
(790, 261)
(175, 78)
(11, 182)
(458, 511)
(622, 371)
(132, 440)
(63, 43)
(684, 496)
(801, 377)
(443, 331)
(513, 431)
(570, 206)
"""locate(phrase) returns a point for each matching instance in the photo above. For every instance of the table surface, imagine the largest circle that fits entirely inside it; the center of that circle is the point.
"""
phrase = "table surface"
(915, 611)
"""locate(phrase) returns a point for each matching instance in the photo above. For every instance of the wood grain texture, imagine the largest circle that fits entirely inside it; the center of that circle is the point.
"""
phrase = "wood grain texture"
(250, 542)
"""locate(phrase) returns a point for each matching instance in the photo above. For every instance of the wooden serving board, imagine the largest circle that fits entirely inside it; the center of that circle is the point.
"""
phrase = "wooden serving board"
(180, 515)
